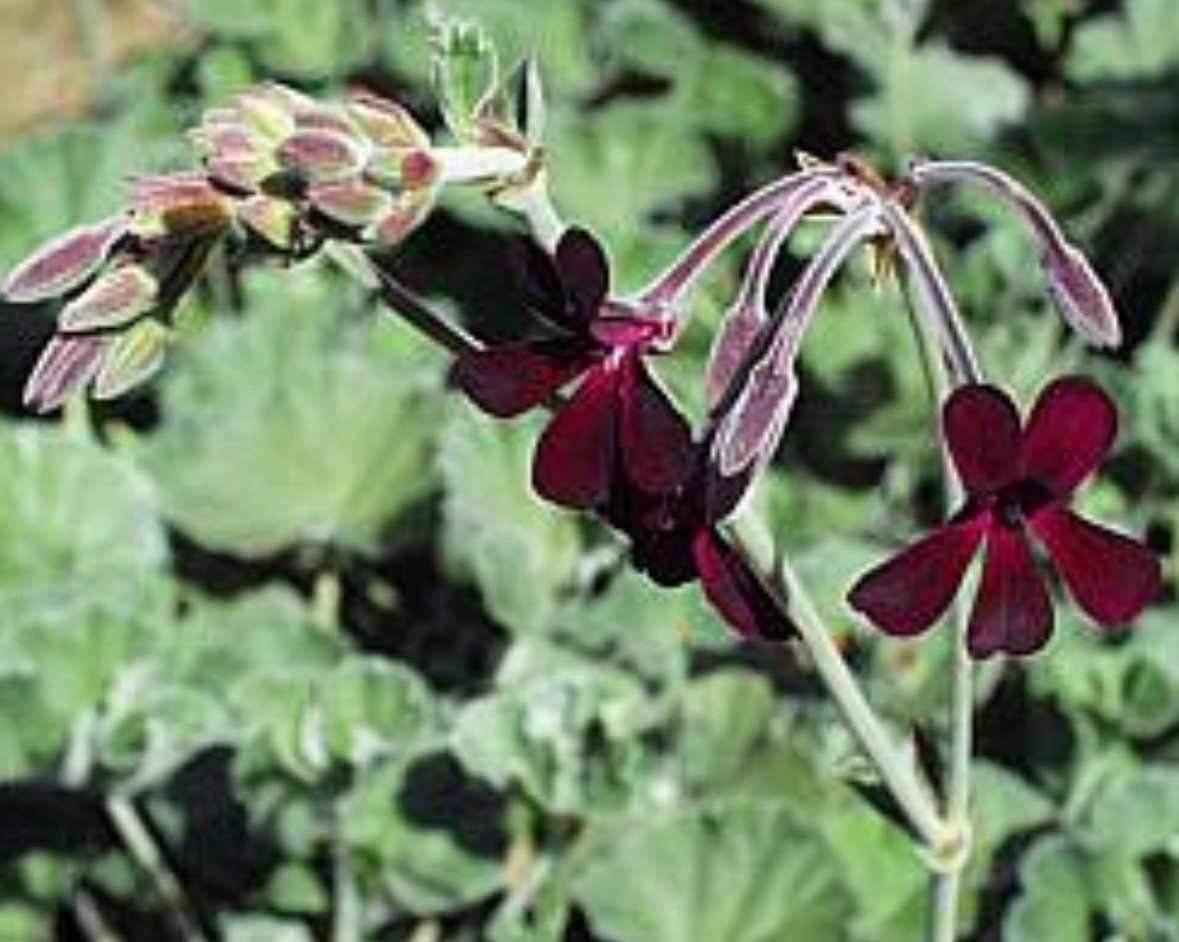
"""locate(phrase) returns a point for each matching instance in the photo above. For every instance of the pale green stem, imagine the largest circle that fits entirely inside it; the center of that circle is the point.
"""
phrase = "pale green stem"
(142, 847)
(89, 918)
(347, 920)
(1168, 316)
(327, 598)
(535, 205)
(948, 882)
(892, 760)
(948, 878)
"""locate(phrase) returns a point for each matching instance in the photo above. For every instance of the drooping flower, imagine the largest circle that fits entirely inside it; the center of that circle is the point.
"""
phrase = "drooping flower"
(673, 542)
(618, 445)
(619, 428)
(1018, 481)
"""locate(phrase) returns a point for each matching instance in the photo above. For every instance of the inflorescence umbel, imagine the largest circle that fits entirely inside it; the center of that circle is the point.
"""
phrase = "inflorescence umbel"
(287, 175)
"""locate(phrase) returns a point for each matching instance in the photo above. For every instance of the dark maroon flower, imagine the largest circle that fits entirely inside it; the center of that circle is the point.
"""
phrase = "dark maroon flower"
(1017, 479)
(619, 428)
(673, 541)
(618, 445)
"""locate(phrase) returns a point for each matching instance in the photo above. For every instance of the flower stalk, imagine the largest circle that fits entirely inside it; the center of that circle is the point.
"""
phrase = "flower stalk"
(897, 769)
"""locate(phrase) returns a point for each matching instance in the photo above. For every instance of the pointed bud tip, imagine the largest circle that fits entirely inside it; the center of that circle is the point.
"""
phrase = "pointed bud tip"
(1081, 297)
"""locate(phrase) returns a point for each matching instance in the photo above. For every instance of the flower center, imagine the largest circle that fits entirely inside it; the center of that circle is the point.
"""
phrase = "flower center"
(1015, 502)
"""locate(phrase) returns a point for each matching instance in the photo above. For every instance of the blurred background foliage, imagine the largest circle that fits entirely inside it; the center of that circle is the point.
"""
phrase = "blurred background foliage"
(289, 652)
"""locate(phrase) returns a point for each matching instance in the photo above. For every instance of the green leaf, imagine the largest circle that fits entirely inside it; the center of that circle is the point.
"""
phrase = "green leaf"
(615, 168)
(636, 625)
(74, 518)
(374, 708)
(64, 658)
(724, 718)
(740, 96)
(1005, 804)
(52, 182)
(258, 928)
(521, 552)
(1054, 905)
(933, 99)
(296, 888)
(564, 729)
(180, 684)
(876, 863)
(427, 870)
(1141, 40)
(745, 873)
(1154, 416)
(293, 425)
(292, 37)
(1136, 814)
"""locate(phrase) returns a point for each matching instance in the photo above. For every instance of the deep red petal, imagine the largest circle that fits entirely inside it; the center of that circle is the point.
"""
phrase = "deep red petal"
(907, 593)
(654, 437)
(722, 494)
(982, 431)
(506, 381)
(1070, 431)
(1111, 576)
(735, 591)
(1012, 611)
(584, 272)
(574, 464)
(536, 274)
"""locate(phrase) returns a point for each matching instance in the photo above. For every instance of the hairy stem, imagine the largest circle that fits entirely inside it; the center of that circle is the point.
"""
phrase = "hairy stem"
(948, 879)
(896, 767)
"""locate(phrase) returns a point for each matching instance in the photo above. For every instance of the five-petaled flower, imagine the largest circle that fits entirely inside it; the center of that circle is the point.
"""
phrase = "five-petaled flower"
(619, 429)
(1018, 480)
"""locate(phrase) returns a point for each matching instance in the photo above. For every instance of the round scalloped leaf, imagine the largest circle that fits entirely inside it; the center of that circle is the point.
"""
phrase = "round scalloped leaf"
(294, 424)
(520, 552)
(742, 873)
(72, 515)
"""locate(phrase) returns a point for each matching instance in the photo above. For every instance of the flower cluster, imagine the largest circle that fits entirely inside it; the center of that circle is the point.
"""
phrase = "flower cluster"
(284, 174)
(619, 447)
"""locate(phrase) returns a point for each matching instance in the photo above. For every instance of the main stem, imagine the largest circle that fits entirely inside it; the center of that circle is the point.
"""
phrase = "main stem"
(947, 885)
(896, 768)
